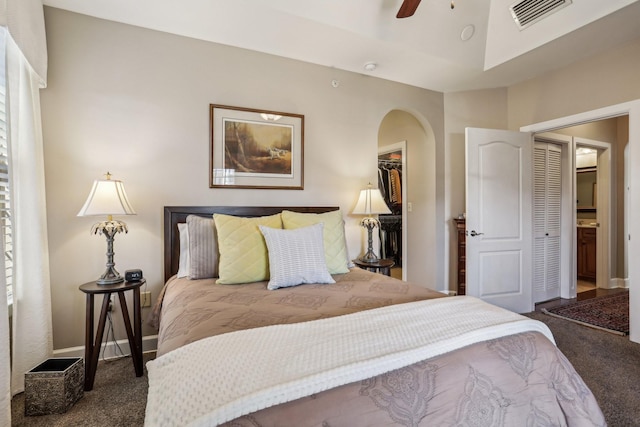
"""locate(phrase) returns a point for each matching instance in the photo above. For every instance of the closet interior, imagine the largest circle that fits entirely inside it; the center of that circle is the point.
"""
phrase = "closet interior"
(390, 185)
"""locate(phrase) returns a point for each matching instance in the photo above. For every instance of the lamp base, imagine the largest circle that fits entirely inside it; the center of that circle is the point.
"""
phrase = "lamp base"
(369, 224)
(110, 276)
(109, 228)
(369, 257)
(110, 279)
(369, 260)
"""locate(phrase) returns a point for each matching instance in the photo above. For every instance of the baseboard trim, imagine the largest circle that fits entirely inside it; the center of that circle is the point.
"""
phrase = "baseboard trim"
(618, 283)
(111, 349)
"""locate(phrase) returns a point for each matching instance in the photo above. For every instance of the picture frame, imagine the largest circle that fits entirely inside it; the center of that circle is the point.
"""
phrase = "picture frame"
(257, 149)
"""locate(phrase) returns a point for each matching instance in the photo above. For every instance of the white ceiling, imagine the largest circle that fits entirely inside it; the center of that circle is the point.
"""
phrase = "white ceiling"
(425, 50)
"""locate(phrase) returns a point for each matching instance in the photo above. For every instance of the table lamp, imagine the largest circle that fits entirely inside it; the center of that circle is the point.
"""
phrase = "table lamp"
(370, 203)
(107, 197)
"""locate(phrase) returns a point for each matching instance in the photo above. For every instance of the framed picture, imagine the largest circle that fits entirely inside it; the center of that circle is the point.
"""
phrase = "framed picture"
(256, 149)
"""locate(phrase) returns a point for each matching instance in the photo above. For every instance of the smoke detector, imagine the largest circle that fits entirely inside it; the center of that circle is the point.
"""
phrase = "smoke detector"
(370, 66)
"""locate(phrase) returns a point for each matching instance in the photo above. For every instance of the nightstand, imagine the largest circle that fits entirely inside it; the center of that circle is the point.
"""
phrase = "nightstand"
(382, 266)
(92, 347)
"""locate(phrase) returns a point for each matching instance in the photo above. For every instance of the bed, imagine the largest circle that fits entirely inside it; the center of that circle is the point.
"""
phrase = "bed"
(366, 349)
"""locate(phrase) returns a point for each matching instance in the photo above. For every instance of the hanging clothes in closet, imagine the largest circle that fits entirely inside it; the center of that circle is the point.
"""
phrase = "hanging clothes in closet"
(390, 185)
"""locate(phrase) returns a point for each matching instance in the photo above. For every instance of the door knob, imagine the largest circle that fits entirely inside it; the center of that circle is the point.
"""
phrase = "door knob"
(474, 233)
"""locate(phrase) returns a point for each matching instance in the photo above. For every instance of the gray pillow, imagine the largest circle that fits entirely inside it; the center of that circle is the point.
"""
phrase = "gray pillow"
(296, 256)
(203, 247)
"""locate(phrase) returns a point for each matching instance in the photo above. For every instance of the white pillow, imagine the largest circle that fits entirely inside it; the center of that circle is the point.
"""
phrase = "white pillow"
(296, 256)
(184, 261)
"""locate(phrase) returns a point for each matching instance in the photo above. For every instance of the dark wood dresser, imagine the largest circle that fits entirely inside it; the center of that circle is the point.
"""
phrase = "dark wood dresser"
(462, 260)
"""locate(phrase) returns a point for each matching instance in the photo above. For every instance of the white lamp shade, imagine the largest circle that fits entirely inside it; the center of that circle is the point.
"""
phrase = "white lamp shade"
(371, 202)
(107, 197)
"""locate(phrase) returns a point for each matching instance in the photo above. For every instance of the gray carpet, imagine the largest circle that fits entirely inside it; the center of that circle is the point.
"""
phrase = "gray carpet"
(118, 399)
(608, 363)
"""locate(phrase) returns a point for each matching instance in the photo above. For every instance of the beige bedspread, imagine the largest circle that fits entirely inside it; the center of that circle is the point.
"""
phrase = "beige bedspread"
(262, 367)
(516, 380)
(194, 309)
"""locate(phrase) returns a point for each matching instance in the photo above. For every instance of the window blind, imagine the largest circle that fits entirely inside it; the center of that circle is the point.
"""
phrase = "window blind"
(5, 199)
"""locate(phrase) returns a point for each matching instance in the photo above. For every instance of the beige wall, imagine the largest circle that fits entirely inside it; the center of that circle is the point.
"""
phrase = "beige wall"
(602, 80)
(601, 130)
(135, 102)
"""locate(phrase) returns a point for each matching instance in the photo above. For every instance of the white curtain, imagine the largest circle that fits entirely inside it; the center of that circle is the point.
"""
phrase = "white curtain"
(25, 21)
(26, 68)
(32, 335)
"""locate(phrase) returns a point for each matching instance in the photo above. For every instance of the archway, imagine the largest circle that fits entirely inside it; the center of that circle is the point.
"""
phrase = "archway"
(419, 222)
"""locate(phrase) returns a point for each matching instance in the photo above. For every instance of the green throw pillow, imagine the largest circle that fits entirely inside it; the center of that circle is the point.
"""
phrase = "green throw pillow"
(335, 246)
(243, 251)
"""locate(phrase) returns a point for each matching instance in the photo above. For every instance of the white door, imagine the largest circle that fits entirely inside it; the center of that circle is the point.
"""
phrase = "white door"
(547, 221)
(499, 219)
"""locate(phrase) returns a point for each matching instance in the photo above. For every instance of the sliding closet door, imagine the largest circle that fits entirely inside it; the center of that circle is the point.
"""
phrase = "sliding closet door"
(547, 221)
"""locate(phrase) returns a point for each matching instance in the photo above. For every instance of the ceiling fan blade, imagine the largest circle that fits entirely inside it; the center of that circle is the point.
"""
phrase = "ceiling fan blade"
(408, 8)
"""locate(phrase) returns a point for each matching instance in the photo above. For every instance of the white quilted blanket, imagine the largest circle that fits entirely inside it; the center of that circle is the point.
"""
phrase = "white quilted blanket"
(220, 378)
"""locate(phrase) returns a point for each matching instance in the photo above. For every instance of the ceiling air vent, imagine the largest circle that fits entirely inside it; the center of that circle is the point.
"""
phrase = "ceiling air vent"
(527, 12)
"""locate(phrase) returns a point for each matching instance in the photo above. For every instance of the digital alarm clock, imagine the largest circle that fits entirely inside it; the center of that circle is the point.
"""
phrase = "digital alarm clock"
(133, 275)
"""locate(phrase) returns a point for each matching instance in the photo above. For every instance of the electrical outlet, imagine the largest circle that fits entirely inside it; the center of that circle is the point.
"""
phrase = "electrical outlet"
(145, 299)
(112, 306)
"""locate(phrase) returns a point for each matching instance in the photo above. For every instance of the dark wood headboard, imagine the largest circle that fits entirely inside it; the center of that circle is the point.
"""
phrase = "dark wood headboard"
(177, 214)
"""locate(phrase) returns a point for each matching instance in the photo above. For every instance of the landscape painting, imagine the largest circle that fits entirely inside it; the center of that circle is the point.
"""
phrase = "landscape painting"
(256, 148)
